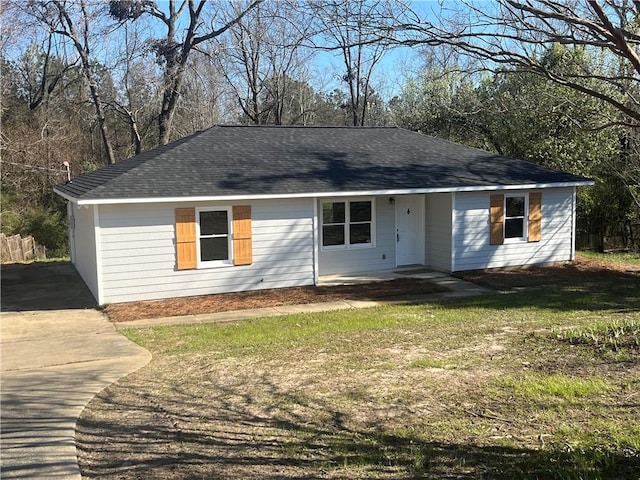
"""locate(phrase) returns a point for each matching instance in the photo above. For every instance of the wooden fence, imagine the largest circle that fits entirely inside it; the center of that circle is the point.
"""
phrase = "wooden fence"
(17, 249)
(610, 238)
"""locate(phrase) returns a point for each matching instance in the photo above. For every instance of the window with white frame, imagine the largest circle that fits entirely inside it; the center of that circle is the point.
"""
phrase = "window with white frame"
(214, 236)
(515, 225)
(347, 223)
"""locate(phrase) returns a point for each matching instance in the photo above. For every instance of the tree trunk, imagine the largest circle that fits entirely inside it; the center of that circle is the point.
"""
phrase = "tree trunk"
(102, 121)
(82, 47)
(165, 119)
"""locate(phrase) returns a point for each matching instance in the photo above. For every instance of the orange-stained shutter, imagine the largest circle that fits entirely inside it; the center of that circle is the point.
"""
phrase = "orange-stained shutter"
(186, 251)
(496, 219)
(535, 216)
(242, 249)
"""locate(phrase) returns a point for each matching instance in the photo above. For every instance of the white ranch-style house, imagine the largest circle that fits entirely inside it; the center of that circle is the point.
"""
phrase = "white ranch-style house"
(236, 208)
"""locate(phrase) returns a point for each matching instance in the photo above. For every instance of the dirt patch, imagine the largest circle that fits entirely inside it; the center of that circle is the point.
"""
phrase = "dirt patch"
(398, 288)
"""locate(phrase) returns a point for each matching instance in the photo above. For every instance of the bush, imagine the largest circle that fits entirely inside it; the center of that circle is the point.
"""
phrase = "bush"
(49, 228)
(10, 215)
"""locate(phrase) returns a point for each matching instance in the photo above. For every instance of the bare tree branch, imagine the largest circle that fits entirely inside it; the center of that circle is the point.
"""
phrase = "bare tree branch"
(66, 26)
(513, 33)
(175, 52)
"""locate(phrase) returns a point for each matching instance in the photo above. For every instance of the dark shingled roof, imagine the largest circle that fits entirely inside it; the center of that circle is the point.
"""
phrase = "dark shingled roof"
(264, 160)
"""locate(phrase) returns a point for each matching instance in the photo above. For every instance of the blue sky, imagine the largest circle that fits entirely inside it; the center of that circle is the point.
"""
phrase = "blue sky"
(389, 76)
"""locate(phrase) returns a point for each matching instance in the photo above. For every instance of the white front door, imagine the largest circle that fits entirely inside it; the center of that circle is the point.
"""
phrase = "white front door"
(409, 229)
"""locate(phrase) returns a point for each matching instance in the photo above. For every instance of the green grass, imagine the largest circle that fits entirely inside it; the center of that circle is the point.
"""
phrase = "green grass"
(264, 335)
(537, 384)
(548, 389)
(614, 258)
(455, 319)
(38, 260)
(620, 336)
(430, 363)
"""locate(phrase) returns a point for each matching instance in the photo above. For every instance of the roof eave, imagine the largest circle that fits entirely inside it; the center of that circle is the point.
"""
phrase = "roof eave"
(66, 196)
(392, 191)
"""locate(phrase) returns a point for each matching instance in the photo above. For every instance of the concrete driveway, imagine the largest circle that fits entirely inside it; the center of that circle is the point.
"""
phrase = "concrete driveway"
(54, 361)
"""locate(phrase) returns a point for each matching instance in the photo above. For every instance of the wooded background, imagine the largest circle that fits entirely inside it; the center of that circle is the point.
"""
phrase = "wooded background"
(93, 82)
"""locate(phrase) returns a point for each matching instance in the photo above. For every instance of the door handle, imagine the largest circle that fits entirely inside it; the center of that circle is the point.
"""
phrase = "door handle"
(397, 237)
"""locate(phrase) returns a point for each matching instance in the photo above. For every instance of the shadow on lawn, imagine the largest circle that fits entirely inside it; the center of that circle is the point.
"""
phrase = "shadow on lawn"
(206, 425)
(560, 288)
(229, 435)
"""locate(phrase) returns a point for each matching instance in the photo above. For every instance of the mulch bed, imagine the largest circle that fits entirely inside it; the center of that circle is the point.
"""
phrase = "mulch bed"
(123, 312)
(581, 272)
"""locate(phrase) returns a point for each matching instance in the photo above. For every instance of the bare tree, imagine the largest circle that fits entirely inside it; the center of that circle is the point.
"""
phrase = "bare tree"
(345, 26)
(509, 33)
(174, 49)
(43, 71)
(203, 89)
(137, 102)
(240, 59)
(261, 55)
(72, 20)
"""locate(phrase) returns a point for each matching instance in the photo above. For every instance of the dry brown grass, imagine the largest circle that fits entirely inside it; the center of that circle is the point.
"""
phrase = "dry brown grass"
(481, 387)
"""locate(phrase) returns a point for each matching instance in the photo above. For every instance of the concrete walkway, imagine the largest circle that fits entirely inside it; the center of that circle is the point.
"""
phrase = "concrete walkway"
(53, 363)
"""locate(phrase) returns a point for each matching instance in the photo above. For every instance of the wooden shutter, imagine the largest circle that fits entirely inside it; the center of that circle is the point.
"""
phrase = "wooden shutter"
(535, 216)
(242, 248)
(496, 219)
(186, 251)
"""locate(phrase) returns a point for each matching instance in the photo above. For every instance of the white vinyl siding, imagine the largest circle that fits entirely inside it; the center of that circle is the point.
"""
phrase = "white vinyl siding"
(139, 252)
(352, 260)
(438, 231)
(471, 243)
(136, 247)
(82, 229)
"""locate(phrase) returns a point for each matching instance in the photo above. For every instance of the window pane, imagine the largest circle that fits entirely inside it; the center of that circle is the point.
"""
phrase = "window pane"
(515, 207)
(514, 228)
(214, 249)
(214, 223)
(360, 233)
(360, 212)
(333, 212)
(332, 235)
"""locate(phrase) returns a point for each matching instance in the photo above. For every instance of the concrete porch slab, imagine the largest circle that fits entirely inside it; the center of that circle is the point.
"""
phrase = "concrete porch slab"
(380, 276)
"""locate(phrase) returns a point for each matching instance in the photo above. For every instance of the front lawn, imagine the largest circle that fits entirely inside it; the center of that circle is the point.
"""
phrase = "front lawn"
(536, 384)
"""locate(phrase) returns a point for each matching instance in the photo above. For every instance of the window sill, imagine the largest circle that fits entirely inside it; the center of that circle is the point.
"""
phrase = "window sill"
(508, 241)
(355, 246)
(215, 264)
